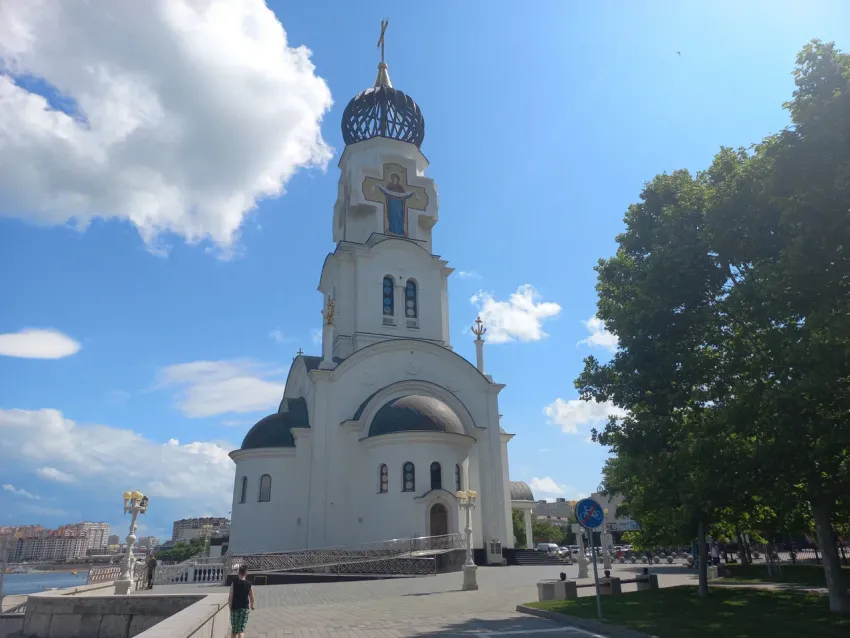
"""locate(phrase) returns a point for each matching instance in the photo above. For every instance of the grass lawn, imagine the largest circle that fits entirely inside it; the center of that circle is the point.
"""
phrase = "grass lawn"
(678, 612)
(810, 575)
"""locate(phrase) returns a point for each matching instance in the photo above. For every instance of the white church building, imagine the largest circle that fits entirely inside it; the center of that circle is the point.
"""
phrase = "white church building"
(373, 439)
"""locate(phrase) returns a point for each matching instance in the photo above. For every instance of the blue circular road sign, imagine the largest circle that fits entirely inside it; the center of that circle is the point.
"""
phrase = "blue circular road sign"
(589, 513)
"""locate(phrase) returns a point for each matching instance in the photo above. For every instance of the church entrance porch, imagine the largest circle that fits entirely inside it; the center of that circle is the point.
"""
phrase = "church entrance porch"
(438, 520)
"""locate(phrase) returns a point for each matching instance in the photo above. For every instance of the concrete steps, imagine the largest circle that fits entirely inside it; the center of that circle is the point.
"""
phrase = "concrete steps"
(532, 557)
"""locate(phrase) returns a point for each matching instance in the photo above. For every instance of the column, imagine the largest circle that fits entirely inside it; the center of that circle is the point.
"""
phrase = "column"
(529, 540)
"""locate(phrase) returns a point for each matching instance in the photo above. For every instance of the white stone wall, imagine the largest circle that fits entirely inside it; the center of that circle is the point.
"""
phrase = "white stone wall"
(277, 525)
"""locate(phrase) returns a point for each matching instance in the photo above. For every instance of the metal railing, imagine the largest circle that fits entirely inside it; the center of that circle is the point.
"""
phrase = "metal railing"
(333, 557)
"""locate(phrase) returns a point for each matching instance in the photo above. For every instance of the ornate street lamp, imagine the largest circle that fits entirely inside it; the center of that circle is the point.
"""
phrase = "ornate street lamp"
(135, 503)
(606, 552)
(467, 502)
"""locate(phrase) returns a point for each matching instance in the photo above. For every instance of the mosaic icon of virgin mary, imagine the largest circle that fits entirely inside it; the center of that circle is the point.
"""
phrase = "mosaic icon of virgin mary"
(396, 204)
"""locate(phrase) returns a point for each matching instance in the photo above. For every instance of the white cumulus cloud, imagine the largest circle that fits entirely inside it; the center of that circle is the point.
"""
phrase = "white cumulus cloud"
(548, 488)
(208, 388)
(599, 337)
(520, 318)
(177, 115)
(8, 487)
(52, 474)
(35, 343)
(467, 274)
(198, 472)
(576, 414)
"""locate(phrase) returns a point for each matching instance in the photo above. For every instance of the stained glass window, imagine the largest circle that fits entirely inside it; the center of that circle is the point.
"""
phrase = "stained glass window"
(389, 302)
(384, 479)
(411, 303)
(436, 476)
(265, 488)
(408, 477)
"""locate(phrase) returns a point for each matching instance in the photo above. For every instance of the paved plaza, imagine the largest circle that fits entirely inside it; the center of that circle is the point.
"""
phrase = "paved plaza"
(426, 606)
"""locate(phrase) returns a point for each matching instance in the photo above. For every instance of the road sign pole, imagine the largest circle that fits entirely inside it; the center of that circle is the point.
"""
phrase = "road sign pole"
(595, 576)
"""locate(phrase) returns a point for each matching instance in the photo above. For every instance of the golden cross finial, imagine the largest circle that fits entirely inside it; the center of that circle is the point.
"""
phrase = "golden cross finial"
(384, 24)
(478, 329)
(300, 352)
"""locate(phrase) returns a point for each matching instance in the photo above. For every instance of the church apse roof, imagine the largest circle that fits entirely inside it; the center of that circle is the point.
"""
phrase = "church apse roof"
(415, 413)
(275, 430)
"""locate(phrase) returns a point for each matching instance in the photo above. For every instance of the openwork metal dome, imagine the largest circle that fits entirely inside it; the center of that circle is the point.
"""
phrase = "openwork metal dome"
(383, 111)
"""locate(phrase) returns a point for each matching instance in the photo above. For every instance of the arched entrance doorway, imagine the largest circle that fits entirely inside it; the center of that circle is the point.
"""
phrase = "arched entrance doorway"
(439, 520)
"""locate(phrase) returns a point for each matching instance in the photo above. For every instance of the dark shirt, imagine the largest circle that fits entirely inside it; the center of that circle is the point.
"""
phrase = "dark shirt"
(240, 594)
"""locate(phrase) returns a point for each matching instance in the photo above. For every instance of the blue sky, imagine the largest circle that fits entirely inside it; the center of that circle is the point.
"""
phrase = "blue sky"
(182, 318)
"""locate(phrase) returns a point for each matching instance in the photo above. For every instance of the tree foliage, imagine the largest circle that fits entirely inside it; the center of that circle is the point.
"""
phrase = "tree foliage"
(183, 551)
(730, 296)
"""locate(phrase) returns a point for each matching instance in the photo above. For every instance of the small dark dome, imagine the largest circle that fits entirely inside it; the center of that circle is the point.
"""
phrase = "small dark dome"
(275, 430)
(415, 413)
(382, 111)
(521, 492)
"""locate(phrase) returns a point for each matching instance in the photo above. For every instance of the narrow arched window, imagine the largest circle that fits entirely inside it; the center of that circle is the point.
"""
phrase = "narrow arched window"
(389, 300)
(411, 301)
(265, 488)
(243, 492)
(383, 479)
(458, 481)
(408, 477)
(436, 476)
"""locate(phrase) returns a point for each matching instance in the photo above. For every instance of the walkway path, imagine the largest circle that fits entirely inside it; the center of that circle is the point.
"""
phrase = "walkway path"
(428, 606)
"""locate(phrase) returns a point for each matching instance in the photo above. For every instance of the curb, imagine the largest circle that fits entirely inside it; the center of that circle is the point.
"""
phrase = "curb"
(581, 623)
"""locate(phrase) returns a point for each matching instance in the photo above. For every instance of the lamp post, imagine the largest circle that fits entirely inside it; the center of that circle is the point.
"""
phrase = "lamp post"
(606, 552)
(135, 503)
(467, 502)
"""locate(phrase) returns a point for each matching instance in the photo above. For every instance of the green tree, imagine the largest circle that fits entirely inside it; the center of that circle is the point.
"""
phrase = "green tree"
(730, 293)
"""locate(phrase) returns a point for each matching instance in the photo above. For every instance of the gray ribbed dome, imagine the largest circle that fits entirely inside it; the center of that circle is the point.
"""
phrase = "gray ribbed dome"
(521, 492)
(415, 413)
(275, 430)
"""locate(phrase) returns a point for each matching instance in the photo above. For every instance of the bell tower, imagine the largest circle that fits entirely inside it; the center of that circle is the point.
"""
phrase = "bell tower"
(383, 278)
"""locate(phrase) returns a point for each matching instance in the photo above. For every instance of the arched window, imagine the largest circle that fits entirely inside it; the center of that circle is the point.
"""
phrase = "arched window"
(243, 492)
(389, 300)
(411, 301)
(436, 476)
(265, 488)
(408, 477)
(383, 479)
(458, 481)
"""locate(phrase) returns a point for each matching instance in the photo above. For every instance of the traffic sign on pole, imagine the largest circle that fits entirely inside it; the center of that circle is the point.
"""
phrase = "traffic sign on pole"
(590, 516)
(589, 513)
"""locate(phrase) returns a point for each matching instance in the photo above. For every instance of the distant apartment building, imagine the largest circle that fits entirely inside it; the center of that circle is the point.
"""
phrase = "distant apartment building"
(113, 539)
(47, 547)
(149, 541)
(97, 534)
(22, 531)
(187, 528)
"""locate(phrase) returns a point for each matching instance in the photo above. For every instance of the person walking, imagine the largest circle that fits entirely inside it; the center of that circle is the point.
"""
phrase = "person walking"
(241, 598)
(151, 569)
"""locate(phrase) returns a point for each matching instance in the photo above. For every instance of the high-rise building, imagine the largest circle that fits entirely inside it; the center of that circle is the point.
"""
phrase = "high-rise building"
(47, 547)
(97, 534)
(219, 524)
(113, 539)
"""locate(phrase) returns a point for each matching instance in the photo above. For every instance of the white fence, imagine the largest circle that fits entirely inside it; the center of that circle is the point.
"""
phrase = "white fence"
(202, 574)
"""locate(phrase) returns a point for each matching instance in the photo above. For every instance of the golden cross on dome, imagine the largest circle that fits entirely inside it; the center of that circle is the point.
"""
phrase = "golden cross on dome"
(300, 352)
(384, 24)
(478, 329)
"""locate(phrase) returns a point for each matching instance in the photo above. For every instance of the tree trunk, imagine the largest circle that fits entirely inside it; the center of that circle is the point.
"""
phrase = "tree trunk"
(742, 550)
(839, 600)
(703, 559)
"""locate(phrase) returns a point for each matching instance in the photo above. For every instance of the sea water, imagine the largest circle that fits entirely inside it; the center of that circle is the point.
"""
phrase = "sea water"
(39, 581)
